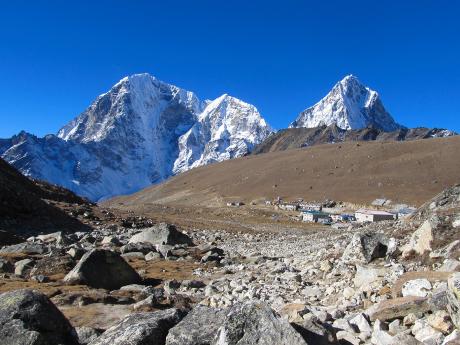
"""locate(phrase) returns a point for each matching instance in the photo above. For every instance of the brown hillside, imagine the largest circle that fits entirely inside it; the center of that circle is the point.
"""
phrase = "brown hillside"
(294, 138)
(410, 172)
(28, 207)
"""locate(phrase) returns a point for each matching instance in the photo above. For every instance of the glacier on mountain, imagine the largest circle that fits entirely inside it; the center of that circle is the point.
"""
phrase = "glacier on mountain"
(349, 105)
(140, 132)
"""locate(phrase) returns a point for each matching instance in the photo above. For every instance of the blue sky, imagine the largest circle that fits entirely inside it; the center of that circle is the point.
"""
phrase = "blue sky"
(282, 56)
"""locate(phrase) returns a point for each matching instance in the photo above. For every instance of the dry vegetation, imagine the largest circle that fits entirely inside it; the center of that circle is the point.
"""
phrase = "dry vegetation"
(409, 172)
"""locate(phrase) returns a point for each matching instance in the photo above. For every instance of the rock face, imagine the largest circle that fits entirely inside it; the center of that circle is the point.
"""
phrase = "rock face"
(256, 324)
(141, 329)
(28, 317)
(363, 248)
(227, 128)
(102, 269)
(421, 240)
(294, 138)
(349, 105)
(161, 234)
(140, 132)
(199, 327)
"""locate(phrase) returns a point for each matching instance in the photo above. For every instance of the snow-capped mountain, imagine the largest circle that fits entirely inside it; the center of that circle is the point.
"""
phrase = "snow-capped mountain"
(349, 105)
(227, 128)
(140, 132)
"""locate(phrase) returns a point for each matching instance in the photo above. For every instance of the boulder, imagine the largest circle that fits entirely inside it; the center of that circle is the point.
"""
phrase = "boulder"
(141, 329)
(448, 252)
(161, 234)
(59, 239)
(450, 265)
(315, 332)
(422, 239)
(363, 248)
(104, 269)
(366, 275)
(86, 335)
(6, 266)
(454, 284)
(25, 248)
(441, 298)
(256, 324)
(440, 321)
(143, 247)
(416, 287)
(199, 327)
(28, 317)
(452, 339)
(398, 308)
(21, 266)
(426, 334)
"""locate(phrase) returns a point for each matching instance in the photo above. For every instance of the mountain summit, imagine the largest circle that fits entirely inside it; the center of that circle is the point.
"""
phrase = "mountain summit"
(349, 105)
(140, 132)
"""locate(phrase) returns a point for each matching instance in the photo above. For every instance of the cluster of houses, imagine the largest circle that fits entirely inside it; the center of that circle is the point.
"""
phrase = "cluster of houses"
(360, 216)
(314, 212)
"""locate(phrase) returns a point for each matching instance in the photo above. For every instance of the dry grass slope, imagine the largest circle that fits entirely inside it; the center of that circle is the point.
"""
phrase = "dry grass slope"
(410, 172)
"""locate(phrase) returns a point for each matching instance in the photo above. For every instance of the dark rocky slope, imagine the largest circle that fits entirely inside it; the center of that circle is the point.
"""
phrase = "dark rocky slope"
(293, 138)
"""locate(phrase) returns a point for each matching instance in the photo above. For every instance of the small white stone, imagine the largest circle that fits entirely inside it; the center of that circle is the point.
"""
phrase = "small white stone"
(416, 287)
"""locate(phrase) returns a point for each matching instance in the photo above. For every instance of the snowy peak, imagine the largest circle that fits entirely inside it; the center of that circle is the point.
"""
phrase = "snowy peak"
(138, 133)
(349, 105)
(227, 128)
(135, 100)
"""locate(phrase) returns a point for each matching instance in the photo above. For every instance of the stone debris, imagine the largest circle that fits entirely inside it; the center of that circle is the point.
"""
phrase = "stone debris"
(386, 283)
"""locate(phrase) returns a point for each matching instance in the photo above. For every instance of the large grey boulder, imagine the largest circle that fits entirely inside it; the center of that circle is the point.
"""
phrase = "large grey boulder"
(363, 248)
(161, 234)
(28, 317)
(26, 248)
(105, 269)
(316, 332)
(141, 329)
(199, 327)
(422, 239)
(256, 324)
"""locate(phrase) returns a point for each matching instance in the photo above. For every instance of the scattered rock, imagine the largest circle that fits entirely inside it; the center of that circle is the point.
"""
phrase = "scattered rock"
(363, 248)
(254, 323)
(398, 307)
(141, 329)
(416, 287)
(102, 269)
(87, 334)
(366, 275)
(441, 321)
(21, 266)
(161, 234)
(6, 266)
(199, 327)
(28, 317)
(422, 238)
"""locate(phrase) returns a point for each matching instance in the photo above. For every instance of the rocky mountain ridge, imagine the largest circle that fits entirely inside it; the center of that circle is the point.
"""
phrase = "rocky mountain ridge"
(349, 105)
(140, 132)
(292, 138)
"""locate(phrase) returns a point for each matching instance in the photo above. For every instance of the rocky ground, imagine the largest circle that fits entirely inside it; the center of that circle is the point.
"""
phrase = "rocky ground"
(135, 280)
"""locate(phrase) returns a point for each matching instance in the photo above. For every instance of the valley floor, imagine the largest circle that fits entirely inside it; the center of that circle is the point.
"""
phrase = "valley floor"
(360, 285)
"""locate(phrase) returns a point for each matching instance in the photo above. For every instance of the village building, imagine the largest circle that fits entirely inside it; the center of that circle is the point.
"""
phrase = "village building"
(289, 207)
(235, 203)
(342, 217)
(308, 206)
(364, 215)
(406, 212)
(315, 216)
